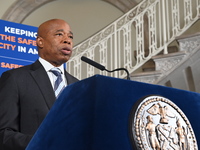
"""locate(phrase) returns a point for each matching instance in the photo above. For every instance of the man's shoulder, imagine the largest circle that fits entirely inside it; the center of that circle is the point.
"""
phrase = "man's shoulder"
(21, 71)
(18, 70)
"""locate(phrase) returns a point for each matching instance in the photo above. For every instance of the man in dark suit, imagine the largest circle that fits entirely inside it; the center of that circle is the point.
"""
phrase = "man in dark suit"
(26, 93)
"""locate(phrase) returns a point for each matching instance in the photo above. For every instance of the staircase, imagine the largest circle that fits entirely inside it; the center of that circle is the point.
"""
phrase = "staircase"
(184, 74)
(142, 42)
(179, 68)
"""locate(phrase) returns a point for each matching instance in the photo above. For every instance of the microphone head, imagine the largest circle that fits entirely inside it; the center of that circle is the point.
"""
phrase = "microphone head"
(93, 63)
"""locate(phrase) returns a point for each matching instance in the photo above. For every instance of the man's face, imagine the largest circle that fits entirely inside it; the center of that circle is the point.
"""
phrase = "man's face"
(55, 42)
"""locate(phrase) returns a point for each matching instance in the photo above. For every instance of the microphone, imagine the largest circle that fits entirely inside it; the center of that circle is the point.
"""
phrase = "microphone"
(102, 68)
(93, 63)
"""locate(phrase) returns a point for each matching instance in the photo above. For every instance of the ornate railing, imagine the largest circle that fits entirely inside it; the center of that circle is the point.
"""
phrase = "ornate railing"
(134, 38)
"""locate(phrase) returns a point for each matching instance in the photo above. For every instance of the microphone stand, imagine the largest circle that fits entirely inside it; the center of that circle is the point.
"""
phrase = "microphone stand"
(118, 69)
(102, 68)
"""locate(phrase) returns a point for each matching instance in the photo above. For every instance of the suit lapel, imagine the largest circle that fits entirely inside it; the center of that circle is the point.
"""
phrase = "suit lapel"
(40, 76)
(68, 78)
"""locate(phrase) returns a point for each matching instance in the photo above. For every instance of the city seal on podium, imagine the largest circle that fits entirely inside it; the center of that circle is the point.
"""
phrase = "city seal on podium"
(156, 123)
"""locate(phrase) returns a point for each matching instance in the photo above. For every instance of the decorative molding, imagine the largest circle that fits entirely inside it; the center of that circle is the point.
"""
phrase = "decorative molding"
(123, 5)
(189, 43)
(165, 63)
(20, 9)
(147, 77)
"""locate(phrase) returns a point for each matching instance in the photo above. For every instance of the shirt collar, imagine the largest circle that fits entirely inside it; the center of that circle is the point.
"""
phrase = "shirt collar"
(48, 66)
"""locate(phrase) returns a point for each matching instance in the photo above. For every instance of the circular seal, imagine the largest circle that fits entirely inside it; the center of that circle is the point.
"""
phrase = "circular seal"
(156, 123)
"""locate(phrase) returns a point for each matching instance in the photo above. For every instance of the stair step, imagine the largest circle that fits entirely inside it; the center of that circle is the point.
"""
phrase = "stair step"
(167, 62)
(147, 77)
(149, 66)
(172, 49)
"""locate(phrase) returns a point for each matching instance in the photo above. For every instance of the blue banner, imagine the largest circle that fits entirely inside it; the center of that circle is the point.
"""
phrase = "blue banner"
(17, 45)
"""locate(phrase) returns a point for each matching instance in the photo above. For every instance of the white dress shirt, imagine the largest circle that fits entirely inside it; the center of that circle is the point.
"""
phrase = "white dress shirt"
(48, 66)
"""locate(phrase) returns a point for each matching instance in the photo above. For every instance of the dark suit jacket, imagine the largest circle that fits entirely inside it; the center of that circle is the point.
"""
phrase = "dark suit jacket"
(26, 96)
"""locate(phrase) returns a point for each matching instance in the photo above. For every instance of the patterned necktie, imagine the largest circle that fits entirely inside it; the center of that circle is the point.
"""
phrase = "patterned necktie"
(59, 83)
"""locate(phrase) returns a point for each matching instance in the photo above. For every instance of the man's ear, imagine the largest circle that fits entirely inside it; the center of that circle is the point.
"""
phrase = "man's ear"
(40, 42)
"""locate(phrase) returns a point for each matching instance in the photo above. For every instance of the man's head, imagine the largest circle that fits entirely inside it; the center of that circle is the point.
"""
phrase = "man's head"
(149, 118)
(55, 41)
